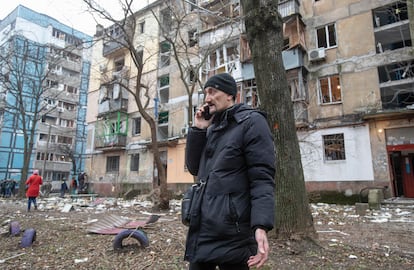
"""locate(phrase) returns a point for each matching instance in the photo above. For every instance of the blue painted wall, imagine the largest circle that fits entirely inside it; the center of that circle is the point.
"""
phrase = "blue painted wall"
(11, 137)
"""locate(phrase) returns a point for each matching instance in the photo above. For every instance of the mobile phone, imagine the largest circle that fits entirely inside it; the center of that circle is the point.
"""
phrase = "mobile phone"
(206, 114)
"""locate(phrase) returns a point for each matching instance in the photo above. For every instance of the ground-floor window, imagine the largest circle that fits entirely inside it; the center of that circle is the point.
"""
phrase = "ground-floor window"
(112, 164)
(334, 146)
(134, 162)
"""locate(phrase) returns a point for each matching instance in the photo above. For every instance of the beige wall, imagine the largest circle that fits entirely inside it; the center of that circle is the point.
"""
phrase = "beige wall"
(360, 91)
(176, 164)
(355, 36)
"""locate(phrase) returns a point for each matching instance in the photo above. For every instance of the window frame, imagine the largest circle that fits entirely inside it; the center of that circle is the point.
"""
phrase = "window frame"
(334, 97)
(165, 54)
(136, 128)
(335, 154)
(112, 164)
(327, 37)
(134, 162)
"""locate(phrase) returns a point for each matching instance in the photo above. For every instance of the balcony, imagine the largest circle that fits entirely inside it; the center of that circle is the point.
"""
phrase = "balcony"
(292, 58)
(112, 105)
(112, 98)
(58, 166)
(112, 45)
(71, 65)
(391, 27)
(111, 141)
(288, 8)
(111, 131)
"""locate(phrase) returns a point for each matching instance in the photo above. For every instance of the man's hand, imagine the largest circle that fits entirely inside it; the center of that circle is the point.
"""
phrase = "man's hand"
(199, 120)
(261, 257)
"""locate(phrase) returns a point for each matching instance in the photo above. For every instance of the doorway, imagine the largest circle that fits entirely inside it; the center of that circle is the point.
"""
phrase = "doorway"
(402, 169)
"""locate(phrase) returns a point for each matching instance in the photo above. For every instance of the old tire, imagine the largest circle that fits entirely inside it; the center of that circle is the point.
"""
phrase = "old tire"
(14, 228)
(29, 236)
(136, 234)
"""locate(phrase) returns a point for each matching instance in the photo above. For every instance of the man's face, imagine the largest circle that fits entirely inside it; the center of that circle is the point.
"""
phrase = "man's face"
(217, 100)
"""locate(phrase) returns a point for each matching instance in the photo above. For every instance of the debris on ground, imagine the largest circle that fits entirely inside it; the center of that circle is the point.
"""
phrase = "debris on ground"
(371, 239)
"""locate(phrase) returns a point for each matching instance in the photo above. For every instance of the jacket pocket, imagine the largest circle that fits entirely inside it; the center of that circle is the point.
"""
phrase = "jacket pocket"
(219, 216)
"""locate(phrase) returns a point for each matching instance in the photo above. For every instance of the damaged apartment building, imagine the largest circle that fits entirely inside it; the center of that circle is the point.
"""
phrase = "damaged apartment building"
(120, 154)
(45, 66)
(349, 66)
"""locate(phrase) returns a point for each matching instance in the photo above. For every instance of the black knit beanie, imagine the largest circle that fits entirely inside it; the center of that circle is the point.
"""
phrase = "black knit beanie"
(223, 82)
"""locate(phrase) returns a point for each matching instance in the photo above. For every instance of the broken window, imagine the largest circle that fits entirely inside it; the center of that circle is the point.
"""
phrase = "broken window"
(297, 85)
(119, 64)
(45, 156)
(231, 57)
(164, 83)
(326, 36)
(250, 93)
(163, 117)
(390, 14)
(136, 130)
(134, 166)
(396, 85)
(396, 72)
(396, 33)
(66, 123)
(165, 52)
(166, 20)
(71, 89)
(112, 164)
(334, 146)
(329, 90)
(64, 140)
(192, 38)
(142, 27)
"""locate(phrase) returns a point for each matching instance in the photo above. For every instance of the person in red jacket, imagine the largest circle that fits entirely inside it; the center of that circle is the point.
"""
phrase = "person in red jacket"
(33, 184)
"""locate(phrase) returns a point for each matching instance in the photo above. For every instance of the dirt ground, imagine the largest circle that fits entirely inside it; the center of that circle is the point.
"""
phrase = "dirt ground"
(381, 239)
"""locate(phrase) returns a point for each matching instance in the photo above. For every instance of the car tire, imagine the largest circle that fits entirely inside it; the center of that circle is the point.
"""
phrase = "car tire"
(14, 228)
(29, 236)
(136, 234)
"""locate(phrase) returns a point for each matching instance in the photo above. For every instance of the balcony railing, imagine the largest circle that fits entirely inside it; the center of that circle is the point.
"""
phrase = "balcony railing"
(112, 45)
(112, 105)
(288, 8)
(111, 140)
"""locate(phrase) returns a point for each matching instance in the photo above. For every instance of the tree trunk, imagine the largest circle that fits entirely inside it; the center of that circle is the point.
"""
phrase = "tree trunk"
(162, 201)
(264, 29)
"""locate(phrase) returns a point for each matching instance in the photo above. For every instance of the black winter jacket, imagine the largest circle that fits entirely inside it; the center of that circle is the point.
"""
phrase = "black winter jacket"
(236, 157)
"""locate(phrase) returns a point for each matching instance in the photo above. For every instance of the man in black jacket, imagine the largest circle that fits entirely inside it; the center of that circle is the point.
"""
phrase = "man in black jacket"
(233, 153)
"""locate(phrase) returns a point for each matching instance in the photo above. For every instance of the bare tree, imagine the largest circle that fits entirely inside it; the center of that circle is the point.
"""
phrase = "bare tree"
(182, 35)
(264, 28)
(139, 90)
(23, 78)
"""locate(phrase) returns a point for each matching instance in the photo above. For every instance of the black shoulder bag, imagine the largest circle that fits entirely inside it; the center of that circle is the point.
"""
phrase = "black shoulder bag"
(191, 203)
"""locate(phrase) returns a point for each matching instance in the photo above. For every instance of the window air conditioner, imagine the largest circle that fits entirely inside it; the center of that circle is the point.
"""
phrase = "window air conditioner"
(60, 109)
(317, 54)
(184, 130)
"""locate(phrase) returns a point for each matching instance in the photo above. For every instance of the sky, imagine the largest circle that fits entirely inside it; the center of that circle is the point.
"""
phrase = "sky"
(70, 12)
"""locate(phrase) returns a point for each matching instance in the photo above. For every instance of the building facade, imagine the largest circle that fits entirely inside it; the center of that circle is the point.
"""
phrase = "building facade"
(361, 95)
(45, 66)
(350, 73)
(349, 70)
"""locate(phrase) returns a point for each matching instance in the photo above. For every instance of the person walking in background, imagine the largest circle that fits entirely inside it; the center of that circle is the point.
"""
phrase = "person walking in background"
(74, 186)
(63, 187)
(33, 188)
(230, 148)
(82, 178)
